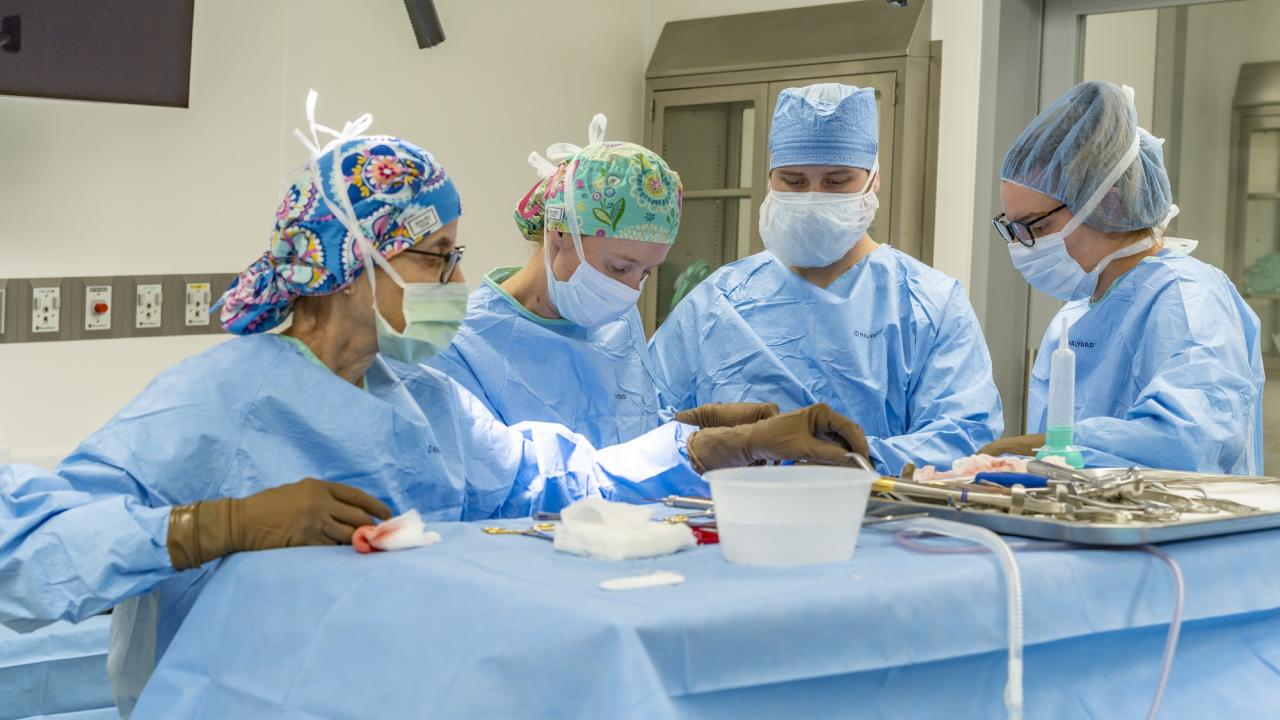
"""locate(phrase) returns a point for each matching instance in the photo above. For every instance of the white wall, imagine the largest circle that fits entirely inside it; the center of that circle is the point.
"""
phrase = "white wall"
(958, 24)
(94, 189)
(103, 189)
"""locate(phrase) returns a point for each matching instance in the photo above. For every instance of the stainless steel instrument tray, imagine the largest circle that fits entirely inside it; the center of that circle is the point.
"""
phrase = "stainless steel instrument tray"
(1100, 533)
(1088, 533)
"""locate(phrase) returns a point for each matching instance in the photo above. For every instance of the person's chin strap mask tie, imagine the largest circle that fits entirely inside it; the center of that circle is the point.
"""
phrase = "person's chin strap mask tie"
(589, 298)
(433, 311)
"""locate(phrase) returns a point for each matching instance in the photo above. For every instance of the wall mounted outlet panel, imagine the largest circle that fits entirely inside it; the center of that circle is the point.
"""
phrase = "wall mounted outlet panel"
(189, 297)
(43, 310)
(94, 311)
(143, 305)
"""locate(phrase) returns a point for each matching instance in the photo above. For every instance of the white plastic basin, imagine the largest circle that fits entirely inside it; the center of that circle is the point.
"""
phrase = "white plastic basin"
(789, 515)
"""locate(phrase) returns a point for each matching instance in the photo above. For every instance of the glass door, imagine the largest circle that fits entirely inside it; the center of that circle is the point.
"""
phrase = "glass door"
(1183, 59)
(1254, 254)
(714, 138)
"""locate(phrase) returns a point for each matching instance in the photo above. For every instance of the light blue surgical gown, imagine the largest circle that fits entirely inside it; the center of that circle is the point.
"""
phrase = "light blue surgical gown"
(595, 381)
(256, 412)
(1168, 371)
(892, 343)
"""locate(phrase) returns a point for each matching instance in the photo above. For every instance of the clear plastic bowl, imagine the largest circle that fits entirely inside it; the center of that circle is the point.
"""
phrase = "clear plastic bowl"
(789, 515)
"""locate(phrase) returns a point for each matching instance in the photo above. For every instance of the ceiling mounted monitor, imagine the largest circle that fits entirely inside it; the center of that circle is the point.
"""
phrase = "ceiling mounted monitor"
(124, 51)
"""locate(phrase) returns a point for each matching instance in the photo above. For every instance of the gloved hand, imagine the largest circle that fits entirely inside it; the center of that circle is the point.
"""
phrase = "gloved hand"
(816, 434)
(308, 512)
(727, 414)
(1016, 445)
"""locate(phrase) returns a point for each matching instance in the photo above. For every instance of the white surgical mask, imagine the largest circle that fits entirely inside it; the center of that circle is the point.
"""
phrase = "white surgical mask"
(815, 229)
(1052, 271)
(433, 312)
(589, 298)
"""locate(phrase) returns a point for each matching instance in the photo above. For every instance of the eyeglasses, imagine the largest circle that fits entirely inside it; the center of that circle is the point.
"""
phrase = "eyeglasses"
(1020, 230)
(451, 260)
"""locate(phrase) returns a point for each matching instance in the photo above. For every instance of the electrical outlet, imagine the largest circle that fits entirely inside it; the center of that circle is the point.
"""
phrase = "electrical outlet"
(198, 297)
(46, 310)
(189, 297)
(148, 306)
(43, 310)
(141, 306)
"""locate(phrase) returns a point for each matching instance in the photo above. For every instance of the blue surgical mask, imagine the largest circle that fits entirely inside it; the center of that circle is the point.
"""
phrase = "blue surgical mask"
(589, 298)
(433, 312)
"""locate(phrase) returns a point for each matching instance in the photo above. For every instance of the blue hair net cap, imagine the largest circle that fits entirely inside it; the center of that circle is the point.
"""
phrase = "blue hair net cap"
(825, 124)
(1071, 147)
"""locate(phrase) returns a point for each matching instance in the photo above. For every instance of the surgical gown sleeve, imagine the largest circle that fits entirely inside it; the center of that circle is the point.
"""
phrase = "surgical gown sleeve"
(673, 355)
(531, 466)
(451, 362)
(79, 540)
(1196, 394)
(953, 405)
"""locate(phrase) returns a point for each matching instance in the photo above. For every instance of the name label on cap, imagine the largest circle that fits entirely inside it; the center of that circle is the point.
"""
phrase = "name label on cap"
(555, 213)
(423, 222)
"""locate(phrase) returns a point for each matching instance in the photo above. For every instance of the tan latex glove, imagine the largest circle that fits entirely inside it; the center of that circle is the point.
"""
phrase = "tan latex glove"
(1016, 445)
(815, 434)
(308, 512)
(727, 414)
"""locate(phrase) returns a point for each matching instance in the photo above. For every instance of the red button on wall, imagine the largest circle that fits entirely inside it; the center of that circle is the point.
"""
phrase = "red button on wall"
(100, 308)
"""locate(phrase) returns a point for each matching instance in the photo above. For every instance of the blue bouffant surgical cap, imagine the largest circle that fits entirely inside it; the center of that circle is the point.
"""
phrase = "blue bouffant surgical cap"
(1072, 147)
(825, 124)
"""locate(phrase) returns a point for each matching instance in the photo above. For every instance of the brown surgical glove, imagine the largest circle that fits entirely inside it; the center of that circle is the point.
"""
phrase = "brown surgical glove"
(1017, 445)
(815, 434)
(727, 414)
(308, 512)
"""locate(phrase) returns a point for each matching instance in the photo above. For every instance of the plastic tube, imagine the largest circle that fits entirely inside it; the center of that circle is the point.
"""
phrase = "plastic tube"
(903, 539)
(1013, 591)
(1175, 626)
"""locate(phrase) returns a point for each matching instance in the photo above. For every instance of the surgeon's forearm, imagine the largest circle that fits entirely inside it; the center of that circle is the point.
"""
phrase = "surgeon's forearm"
(939, 444)
(70, 563)
(653, 465)
(1116, 442)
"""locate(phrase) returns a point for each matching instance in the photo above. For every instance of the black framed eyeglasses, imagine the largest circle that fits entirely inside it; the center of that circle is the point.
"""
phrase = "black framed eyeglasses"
(451, 260)
(1020, 230)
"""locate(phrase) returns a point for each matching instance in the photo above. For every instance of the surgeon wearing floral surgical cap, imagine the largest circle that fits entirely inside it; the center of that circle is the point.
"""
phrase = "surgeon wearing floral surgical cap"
(560, 339)
(298, 438)
(826, 313)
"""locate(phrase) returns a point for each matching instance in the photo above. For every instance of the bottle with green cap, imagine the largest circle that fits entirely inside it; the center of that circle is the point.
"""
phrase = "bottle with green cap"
(1059, 436)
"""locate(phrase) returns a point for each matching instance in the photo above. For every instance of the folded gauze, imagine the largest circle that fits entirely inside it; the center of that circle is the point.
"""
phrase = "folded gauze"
(616, 531)
(400, 532)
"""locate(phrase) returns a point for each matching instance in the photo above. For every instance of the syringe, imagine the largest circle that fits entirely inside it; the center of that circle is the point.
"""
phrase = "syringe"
(1059, 430)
